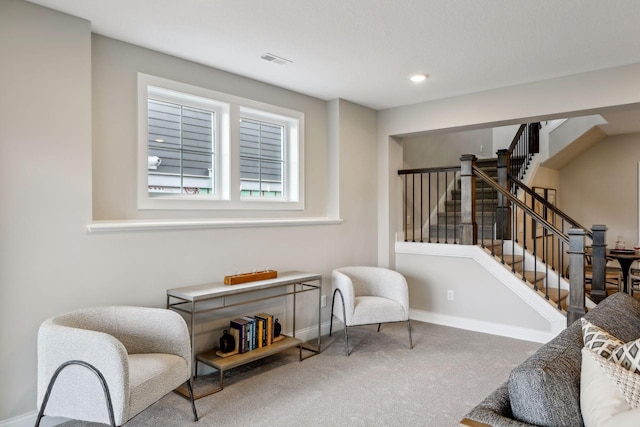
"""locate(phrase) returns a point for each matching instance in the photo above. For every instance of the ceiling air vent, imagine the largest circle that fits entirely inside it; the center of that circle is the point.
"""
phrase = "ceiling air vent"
(275, 59)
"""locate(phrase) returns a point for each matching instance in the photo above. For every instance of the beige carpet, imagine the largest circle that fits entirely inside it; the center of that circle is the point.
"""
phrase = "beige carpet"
(382, 383)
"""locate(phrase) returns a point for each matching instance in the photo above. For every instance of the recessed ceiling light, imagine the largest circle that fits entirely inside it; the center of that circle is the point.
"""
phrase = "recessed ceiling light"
(417, 78)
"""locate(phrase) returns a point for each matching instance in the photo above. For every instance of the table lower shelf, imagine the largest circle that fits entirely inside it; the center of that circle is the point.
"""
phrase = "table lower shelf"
(222, 364)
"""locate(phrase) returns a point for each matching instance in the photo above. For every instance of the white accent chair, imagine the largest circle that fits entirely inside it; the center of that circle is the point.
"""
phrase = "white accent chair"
(107, 364)
(369, 295)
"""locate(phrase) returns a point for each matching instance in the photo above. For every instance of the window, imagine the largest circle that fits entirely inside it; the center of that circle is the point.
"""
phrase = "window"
(196, 145)
(261, 158)
(181, 155)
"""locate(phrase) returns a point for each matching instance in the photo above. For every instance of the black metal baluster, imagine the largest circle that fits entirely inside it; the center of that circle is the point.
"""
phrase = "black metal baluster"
(524, 244)
(456, 237)
(546, 248)
(482, 191)
(559, 251)
(437, 200)
(421, 206)
(446, 207)
(494, 207)
(413, 207)
(535, 255)
(406, 207)
(513, 242)
(430, 224)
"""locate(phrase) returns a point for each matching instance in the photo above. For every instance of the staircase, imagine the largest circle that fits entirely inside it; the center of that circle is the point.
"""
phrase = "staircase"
(449, 217)
(434, 202)
(535, 279)
(449, 213)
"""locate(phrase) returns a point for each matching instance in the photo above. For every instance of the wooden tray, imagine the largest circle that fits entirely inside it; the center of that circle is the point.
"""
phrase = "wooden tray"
(250, 277)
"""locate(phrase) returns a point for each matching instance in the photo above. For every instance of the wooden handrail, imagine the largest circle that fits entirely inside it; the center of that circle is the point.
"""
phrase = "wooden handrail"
(546, 204)
(546, 224)
(429, 170)
(517, 138)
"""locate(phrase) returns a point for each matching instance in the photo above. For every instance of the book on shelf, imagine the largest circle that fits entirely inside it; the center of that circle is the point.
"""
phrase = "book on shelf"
(269, 334)
(241, 326)
(258, 332)
(251, 334)
(262, 331)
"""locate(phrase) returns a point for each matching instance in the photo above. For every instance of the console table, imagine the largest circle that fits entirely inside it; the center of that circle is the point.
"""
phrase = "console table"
(198, 299)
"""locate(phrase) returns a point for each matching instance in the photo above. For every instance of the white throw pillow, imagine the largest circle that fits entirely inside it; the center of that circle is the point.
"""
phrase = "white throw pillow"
(608, 393)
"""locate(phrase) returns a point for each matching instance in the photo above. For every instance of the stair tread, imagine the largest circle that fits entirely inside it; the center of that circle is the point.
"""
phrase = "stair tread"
(553, 293)
(510, 259)
(490, 203)
(457, 214)
(534, 276)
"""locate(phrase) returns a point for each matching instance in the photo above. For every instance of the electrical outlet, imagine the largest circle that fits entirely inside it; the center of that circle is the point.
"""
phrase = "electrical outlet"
(323, 301)
(450, 295)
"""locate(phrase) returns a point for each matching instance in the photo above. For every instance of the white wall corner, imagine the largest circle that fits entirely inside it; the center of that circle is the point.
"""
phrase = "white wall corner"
(492, 328)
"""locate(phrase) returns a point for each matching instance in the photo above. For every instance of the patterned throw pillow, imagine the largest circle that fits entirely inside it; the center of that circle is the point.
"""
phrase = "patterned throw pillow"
(628, 356)
(598, 340)
(606, 345)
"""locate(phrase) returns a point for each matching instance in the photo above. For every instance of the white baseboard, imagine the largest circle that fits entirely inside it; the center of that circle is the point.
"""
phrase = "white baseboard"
(311, 333)
(482, 326)
(29, 420)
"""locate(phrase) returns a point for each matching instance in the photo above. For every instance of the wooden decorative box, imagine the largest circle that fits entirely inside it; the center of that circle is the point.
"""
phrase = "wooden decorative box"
(250, 277)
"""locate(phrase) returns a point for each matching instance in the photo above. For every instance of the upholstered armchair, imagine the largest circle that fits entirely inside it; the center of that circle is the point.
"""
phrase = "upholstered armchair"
(369, 295)
(107, 364)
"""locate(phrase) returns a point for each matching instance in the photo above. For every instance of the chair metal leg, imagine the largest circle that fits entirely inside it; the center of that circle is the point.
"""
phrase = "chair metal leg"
(379, 326)
(344, 317)
(410, 338)
(333, 303)
(93, 369)
(193, 403)
(346, 340)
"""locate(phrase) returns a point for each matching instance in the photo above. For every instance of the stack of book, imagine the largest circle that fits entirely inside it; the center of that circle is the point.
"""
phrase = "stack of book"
(252, 332)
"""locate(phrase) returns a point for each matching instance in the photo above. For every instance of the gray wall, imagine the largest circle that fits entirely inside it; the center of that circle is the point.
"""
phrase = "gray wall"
(603, 183)
(80, 156)
(573, 95)
(434, 150)
(115, 128)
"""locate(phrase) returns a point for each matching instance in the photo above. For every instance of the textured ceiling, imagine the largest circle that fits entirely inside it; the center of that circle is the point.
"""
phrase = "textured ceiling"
(364, 50)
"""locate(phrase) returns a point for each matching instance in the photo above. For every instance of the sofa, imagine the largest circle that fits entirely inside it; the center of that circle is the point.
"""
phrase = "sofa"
(545, 389)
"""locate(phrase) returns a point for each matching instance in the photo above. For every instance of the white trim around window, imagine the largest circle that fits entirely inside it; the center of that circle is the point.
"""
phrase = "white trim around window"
(227, 112)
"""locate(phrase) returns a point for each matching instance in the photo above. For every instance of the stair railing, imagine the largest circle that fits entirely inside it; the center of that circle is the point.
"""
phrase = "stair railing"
(524, 145)
(557, 218)
(441, 206)
(530, 226)
(430, 208)
(560, 220)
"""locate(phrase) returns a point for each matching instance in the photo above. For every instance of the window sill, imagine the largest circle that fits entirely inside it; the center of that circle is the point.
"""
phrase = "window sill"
(154, 225)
